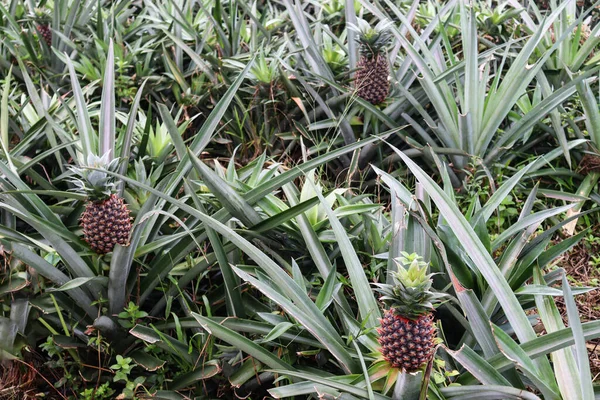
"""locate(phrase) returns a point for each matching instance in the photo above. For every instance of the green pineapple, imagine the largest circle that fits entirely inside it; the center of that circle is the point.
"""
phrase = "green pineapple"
(106, 220)
(407, 334)
(373, 69)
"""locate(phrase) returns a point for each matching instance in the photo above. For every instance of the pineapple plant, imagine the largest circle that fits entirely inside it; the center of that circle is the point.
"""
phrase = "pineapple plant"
(371, 81)
(407, 334)
(106, 220)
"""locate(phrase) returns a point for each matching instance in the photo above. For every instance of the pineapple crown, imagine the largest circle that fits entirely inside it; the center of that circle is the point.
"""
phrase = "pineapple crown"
(372, 40)
(410, 295)
(96, 184)
(40, 16)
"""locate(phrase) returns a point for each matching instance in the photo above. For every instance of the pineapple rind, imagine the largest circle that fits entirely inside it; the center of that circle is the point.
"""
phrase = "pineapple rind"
(407, 344)
(372, 82)
(46, 33)
(106, 223)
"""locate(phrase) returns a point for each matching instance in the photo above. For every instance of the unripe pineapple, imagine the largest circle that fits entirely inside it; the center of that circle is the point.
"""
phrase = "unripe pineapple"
(105, 221)
(407, 334)
(43, 26)
(46, 33)
(373, 69)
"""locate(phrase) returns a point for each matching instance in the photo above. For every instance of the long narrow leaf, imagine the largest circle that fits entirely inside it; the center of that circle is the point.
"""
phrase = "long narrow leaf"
(241, 343)
(581, 352)
(107, 110)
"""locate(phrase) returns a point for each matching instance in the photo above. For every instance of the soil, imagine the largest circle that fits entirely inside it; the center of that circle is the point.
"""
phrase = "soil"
(589, 163)
(27, 379)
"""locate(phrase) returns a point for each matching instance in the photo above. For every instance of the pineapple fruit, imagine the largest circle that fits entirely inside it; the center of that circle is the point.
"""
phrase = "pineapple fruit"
(373, 69)
(106, 220)
(407, 334)
(43, 26)
(46, 33)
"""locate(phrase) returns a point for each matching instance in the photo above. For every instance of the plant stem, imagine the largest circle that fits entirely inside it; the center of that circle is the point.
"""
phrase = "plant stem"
(408, 386)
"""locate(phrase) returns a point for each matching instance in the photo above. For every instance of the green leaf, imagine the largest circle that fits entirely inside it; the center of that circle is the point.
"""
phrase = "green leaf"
(4, 137)
(541, 346)
(278, 330)
(544, 290)
(326, 294)
(147, 361)
(166, 342)
(408, 385)
(120, 265)
(204, 371)
(285, 216)
(84, 125)
(323, 264)
(528, 221)
(479, 367)
(341, 386)
(174, 133)
(168, 395)
(280, 278)
(195, 57)
(292, 335)
(249, 369)
(353, 209)
(107, 110)
(75, 283)
(8, 334)
(308, 387)
(480, 323)
(513, 352)
(229, 198)
(500, 195)
(241, 343)
(564, 362)
(487, 392)
(581, 353)
(205, 134)
(127, 139)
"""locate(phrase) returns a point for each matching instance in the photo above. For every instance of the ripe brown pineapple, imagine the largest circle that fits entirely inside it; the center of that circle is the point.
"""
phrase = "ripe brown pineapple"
(373, 69)
(407, 334)
(105, 221)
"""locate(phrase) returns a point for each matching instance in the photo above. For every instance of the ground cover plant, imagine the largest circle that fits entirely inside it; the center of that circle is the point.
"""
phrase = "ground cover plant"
(206, 199)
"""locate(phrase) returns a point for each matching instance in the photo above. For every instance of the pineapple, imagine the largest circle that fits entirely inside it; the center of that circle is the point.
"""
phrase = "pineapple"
(373, 69)
(43, 26)
(407, 334)
(105, 221)
(46, 33)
